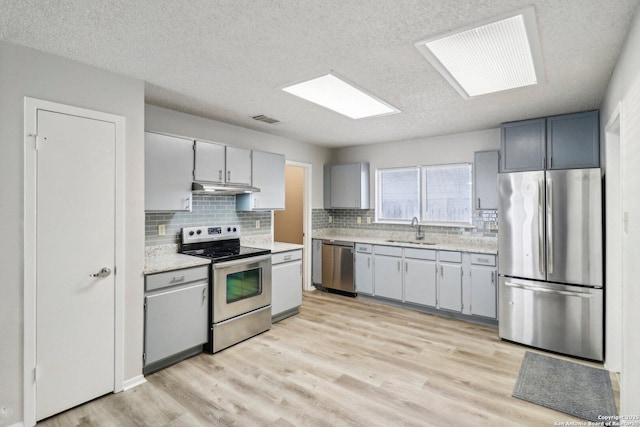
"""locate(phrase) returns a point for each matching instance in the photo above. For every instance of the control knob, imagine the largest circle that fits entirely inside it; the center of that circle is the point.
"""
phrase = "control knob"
(191, 233)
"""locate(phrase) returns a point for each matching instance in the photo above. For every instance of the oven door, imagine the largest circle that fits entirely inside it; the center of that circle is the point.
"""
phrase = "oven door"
(240, 286)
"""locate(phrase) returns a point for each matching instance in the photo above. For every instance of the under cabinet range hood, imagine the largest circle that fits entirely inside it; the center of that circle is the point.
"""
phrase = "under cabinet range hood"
(221, 189)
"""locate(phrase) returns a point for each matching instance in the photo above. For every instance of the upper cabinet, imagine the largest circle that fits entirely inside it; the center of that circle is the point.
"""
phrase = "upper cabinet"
(485, 176)
(573, 141)
(267, 170)
(221, 164)
(568, 141)
(346, 186)
(168, 162)
(238, 166)
(522, 145)
(209, 162)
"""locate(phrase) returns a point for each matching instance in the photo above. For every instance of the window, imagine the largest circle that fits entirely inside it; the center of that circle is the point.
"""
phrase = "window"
(398, 193)
(434, 194)
(446, 195)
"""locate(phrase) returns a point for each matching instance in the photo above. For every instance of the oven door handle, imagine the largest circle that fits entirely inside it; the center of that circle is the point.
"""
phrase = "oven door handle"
(241, 261)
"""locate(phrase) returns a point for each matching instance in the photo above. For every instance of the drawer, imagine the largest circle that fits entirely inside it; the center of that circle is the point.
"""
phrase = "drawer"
(448, 256)
(363, 247)
(428, 254)
(388, 250)
(288, 256)
(483, 259)
(176, 277)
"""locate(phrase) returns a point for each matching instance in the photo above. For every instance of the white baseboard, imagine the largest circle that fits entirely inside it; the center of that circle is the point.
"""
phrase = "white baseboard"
(133, 382)
(20, 424)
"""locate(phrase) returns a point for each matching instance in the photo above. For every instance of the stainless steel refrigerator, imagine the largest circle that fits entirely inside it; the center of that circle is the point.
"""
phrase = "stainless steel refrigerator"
(551, 260)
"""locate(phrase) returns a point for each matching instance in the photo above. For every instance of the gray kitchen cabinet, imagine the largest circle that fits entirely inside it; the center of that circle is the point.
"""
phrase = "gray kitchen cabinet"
(484, 285)
(176, 315)
(420, 277)
(238, 162)
(387, 272)
(364, 269)
(209, 162)
(522, 145)
(316, 261)
(347, 186)
(168, 163)
(573, 141)
(286, 284)
(267, 174)
(450, 281)
(568, 141)
(485, 177)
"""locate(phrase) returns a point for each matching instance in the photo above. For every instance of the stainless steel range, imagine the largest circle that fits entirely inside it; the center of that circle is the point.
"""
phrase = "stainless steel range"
(240, 284)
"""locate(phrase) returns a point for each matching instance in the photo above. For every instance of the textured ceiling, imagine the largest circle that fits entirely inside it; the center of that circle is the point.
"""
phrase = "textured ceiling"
(228, 60)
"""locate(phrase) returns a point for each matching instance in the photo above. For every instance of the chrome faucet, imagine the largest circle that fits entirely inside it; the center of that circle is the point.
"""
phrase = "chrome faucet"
(415, 223)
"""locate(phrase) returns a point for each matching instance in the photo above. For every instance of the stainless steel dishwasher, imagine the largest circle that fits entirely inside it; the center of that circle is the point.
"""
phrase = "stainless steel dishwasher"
(337, 266)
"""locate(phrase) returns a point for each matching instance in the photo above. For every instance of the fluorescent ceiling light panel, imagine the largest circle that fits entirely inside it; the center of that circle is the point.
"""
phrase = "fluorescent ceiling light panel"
(335, 94)
(491, 57)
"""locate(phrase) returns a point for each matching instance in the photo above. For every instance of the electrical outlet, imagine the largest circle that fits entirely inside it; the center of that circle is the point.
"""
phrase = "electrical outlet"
(330, 219)
(257, 223)
(368, 220)
(162, 229)
(359, 220)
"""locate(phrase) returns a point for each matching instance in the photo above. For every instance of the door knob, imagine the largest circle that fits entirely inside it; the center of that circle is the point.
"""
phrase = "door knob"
(104, 272)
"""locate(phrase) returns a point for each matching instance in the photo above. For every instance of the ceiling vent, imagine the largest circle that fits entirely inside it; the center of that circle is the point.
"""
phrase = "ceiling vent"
(266, 119)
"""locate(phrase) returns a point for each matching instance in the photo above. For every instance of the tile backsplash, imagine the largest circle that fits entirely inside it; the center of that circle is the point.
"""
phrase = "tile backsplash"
(206, 209)
(485, 222)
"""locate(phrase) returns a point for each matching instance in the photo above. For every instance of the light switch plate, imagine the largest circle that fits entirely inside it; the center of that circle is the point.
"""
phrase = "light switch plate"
(359, 220)
(368, 220)
(162, 229)
(257, 223)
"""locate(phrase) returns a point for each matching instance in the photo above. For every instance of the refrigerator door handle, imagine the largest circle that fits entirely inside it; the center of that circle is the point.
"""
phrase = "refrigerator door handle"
(541, 226)
(549, 291)
(549, 226)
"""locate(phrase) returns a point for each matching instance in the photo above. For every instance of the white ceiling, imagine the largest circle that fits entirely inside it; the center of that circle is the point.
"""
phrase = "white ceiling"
(228, 60)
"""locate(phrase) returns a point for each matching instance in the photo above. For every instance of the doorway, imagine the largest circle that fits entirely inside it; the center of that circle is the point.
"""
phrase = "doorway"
(293, 225)
(73, 298)
(289, 223)
(613, 239)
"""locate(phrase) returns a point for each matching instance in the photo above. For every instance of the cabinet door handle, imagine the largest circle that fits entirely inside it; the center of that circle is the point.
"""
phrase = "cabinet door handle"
(398, 265)
(441, 272)
(478, 202)
(492, 279)
(406, 267)
(228, 175)
(177, 278)
(204, 294)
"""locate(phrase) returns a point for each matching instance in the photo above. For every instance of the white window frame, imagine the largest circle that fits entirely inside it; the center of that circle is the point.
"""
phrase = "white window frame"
(422, 201)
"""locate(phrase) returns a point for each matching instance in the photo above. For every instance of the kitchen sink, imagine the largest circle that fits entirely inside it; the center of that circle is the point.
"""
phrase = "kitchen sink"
(413, 242)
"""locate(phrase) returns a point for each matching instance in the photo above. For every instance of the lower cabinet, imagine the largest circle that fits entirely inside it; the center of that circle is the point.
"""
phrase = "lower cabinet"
(176, 307)
(387, 272)
(420, 279)
(364, 269)
(484, 277)
(450, 281)
(286, 284)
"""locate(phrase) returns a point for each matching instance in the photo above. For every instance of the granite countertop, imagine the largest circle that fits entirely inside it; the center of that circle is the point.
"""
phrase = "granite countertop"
(162, 258)
(165, 258)
(276, 247)
(443, 242)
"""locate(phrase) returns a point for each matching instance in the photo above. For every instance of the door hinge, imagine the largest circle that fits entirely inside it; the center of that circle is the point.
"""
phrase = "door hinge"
(461, 272)
(144, 357)
(461, 307)
(36, 140)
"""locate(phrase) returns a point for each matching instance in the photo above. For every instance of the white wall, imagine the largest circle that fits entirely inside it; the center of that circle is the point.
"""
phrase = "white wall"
(626, 73)
(456, 148)
(27, 72)
(162, 120)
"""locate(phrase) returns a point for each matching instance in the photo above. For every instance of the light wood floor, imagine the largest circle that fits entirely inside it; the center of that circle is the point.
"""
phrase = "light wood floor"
(339, 362)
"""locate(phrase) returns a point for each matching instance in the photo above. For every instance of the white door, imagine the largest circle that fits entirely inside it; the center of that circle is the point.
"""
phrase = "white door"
(75, 223)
